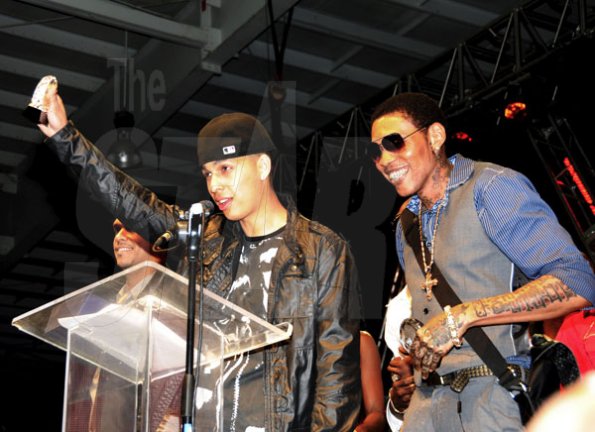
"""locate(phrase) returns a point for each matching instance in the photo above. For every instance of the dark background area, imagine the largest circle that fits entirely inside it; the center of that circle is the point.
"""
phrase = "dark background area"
(34, 386)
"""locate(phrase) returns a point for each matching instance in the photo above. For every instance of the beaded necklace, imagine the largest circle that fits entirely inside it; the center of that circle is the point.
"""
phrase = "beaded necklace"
(429, 281)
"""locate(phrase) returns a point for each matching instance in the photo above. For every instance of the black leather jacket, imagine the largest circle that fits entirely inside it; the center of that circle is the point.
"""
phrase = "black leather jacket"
(313, 379)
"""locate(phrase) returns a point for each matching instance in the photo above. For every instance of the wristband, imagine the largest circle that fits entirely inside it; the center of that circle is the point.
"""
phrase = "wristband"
(392, 406)
(452, 327)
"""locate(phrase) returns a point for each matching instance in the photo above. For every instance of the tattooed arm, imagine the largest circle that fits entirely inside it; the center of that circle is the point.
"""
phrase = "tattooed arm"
(521, 224)
(544, 298)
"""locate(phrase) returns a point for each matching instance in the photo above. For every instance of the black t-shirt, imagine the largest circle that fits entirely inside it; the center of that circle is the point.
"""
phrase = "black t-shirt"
(244, 374)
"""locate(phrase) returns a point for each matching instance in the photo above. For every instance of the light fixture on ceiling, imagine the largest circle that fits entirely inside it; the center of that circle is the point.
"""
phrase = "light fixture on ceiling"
(124, 153)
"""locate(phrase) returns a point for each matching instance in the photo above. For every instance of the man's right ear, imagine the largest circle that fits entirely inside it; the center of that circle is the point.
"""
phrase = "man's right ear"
(437, 136)
(264, 166)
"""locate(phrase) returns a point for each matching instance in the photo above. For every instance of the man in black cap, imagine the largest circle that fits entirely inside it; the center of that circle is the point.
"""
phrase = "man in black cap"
(261, 255)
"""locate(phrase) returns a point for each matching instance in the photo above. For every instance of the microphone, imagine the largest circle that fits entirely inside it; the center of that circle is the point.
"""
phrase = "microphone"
(205, 207)
(172, 236)
(197, 213)
(181, 231)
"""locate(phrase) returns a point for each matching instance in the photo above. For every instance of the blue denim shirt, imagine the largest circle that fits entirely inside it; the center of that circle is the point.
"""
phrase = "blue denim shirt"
(519, 222)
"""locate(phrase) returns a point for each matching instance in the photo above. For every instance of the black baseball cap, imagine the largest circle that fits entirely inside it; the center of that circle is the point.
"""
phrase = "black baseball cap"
(232, 135)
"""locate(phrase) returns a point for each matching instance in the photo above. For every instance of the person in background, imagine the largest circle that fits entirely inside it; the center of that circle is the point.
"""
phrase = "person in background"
(131, 249)
(477, 222)
(260, 254)
(111, 406)
(400, 367)
(373, 419)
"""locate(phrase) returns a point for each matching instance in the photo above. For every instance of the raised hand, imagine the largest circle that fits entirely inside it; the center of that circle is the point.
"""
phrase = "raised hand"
(56, 114)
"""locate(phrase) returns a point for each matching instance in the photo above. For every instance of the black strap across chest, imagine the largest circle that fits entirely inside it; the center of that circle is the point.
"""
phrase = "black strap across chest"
(445, 295)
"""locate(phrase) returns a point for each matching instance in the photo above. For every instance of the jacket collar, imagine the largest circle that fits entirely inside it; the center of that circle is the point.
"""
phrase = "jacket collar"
(231, 232)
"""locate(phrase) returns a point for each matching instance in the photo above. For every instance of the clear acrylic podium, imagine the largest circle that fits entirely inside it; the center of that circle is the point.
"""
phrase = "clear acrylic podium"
(125, 343)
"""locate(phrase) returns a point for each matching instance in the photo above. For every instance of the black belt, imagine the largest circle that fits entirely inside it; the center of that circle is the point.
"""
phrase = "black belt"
(458, 379)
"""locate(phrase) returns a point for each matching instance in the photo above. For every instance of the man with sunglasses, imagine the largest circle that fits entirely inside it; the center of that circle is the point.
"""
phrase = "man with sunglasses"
(476, 222)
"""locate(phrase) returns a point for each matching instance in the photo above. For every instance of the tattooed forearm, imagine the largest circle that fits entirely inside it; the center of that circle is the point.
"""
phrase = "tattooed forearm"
(538, 294)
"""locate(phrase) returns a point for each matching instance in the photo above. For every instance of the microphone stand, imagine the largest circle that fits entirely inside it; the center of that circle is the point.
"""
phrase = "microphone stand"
(194, 240)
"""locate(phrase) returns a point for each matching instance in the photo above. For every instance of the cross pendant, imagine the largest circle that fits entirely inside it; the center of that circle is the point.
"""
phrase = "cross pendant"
(428, 284)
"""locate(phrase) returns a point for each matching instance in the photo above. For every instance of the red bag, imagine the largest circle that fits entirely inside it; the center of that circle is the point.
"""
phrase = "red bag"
(577, 332)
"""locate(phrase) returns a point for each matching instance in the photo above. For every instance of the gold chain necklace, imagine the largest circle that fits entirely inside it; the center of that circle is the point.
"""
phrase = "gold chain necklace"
(429, 282)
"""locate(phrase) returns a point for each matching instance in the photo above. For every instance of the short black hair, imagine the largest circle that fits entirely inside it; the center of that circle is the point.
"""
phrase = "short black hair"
(420, 108)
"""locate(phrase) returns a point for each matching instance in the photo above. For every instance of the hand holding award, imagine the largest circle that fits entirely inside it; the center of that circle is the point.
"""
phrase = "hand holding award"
(46, 108)
(37, 109)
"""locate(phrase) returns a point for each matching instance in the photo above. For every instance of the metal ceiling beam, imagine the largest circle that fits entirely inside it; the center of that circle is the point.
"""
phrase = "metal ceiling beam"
(31, 228)
(364, 35)
(450, 77)
(18, 101)
(21, 133)
(35, 70)
(323, 65)
(454, 77)
(11, 159)
(258, 88)
(241, 23)
(200, 108)
(62, 38)
(524, 43)
(118, 15)
(451, 9)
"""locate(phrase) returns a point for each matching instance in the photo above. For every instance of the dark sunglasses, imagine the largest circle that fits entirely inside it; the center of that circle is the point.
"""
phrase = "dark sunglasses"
(390, 143)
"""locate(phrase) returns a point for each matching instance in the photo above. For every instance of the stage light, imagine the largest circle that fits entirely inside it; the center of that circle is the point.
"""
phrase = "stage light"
(463, 137)
(580, 185)
(515, 110)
